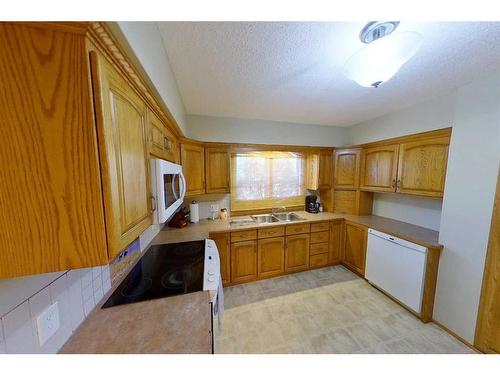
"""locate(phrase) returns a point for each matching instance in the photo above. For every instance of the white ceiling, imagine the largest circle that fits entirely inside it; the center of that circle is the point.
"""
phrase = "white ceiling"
(291, 71)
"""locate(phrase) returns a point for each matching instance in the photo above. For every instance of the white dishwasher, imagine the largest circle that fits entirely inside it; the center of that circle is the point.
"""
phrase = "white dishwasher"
(397, 267)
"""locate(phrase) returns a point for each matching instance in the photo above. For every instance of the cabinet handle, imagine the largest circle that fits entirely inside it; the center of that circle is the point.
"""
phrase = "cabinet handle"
(153, 206)
(166, 144)
(393, 183)
(398, 184)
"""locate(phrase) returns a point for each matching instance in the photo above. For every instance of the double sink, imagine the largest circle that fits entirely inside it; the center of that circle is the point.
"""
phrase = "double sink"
(266, 219)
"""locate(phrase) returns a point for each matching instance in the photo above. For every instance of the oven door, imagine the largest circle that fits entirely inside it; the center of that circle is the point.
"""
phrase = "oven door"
(170, 188)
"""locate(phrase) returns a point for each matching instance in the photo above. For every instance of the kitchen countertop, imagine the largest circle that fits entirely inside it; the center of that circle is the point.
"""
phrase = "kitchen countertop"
(413, 233)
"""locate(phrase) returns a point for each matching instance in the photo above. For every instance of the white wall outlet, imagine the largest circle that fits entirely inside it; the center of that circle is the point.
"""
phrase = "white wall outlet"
(214, 207)
(47, 323)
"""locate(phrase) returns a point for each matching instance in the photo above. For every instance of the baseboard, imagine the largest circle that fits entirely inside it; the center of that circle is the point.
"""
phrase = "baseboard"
(450, 332)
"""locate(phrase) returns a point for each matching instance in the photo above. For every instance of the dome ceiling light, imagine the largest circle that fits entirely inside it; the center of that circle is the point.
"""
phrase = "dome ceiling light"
(383, 55)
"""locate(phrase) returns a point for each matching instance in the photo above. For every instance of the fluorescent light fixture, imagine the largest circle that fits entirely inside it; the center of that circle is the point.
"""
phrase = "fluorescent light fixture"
(383, 54)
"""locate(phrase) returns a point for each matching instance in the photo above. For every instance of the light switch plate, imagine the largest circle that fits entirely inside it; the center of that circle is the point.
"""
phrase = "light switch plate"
(47, 323)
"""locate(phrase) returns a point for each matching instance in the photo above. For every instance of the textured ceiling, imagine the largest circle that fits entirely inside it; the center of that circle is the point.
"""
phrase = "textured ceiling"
(291, 71)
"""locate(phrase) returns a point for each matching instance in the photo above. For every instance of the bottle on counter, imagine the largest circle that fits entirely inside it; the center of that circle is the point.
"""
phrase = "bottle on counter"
(223, 214)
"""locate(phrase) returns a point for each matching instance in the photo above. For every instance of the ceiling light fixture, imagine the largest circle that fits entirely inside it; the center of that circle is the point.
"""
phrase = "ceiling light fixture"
(383, 55)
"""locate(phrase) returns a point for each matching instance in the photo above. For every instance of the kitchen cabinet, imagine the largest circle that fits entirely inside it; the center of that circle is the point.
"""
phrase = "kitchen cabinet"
(319, 170)
(271, 257)
(312, 171)
(379, 168)
(297, 252)
(346, 168)
(243, 261)
(422, 166)
(123, 150)
(355, 237)
(217, 170)
(223, 245)
(193, 167)
(336, 241)
(163, 143)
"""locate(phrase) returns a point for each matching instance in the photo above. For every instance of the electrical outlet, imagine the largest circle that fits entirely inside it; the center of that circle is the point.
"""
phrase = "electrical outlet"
(214, 207)
(47, 323)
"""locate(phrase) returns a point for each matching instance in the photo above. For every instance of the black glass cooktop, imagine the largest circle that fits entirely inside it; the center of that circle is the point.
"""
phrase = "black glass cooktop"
(163, 271)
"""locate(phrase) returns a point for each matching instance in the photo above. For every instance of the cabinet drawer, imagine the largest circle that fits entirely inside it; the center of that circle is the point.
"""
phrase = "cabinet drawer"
(319, 227)
(319, 248)
(318, 260)
(297, 229)
(271, 232)
(319, 237)
(243, 235)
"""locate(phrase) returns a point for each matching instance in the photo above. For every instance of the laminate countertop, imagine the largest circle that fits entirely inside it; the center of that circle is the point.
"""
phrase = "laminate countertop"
(413, 233)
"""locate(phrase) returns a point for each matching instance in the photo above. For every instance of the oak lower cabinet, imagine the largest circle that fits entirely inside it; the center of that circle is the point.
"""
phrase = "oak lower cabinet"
(124, 154)
(217, 170)
(224, 247)
(336, 241)
(355, 237)
(243, 261)
(379, 168)
(271, 257)
(193, 167)
(297, 252)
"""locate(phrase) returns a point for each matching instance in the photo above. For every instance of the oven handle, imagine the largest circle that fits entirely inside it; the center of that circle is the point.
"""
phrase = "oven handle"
(183, 185)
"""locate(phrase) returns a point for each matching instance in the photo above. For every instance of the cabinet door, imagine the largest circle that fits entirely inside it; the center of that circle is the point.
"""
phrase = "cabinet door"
(336, 241)
(297, 252)
(271, 257)
(325, 169)
(422, 167)
(121, 120)
(346, 169)
(217, 169)
(312, 171)
(223, 245)
(379, 168)
(243, 261)
(355, 247)
(193, 167)
(162, 142)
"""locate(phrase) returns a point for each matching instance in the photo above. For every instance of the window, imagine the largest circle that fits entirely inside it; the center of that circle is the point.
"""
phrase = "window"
(266, 179)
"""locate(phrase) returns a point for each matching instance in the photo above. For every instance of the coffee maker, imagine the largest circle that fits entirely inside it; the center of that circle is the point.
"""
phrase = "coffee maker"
(312, 205)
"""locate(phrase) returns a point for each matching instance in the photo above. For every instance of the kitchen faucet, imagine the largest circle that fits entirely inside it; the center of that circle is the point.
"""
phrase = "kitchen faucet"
(275, 209)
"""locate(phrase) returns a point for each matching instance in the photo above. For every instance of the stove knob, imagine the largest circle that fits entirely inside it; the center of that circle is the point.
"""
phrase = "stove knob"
(211, 278)
(211, 272)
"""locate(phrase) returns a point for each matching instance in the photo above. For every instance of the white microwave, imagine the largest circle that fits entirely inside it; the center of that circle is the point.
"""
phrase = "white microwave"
(169, 188)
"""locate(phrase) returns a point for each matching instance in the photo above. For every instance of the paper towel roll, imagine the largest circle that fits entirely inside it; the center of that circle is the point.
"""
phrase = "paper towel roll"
(195, 212)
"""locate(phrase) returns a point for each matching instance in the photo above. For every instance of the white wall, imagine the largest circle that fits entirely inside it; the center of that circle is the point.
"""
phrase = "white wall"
(468, 204)
(143, 40)
(224, 129)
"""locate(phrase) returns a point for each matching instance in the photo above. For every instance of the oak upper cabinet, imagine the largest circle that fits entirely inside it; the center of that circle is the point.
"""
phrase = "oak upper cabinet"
(271, 257)
(223, 245)
(336, 241)
(346, 169)
(122, 133)
(163, 143)
(325, 169)
(312, 171)
(217, 170)
(51, 205)
(297, 252)
(379, 168)
(193, 167)
(422, 166)
(355, 237)
(243, 261)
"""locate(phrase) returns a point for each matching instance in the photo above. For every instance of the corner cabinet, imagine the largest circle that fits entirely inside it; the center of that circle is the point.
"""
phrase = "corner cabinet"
(217, 167)
(193, 167)
(123, 150)
(379, 167)
(355, 238)
(346, 169)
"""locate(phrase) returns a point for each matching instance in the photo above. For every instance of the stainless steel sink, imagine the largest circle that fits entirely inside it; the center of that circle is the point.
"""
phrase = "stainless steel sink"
(264, 219)
(242, 221)
(288, 216)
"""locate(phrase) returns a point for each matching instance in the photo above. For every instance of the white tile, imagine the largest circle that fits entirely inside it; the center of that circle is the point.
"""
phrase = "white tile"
(74, 283)
(96, 272)
(3, 349)
(97, 283)
(106, 279)
(87, 292)
(38, 303)
(88, 305)
(59, 293)
(18, 330)
(98, 294)
(86, 275)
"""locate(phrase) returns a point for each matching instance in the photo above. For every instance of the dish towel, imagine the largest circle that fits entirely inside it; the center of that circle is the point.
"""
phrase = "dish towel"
(219, 303)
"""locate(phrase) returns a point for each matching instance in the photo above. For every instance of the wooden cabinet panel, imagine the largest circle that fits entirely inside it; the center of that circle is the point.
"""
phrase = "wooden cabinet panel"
(297, 252)
(336, 241)
(51, 214)
(162, 142)
(243, 261)
(320, 227)
(318, 248)
(379, 168)
(355, 247)
(344, 202)
(217, 170)
(223, 245)
(271, 232)
(318, 237)
(346, 169)
(325, 169)
(312, 171)
(319, 260)
(422, 167)
(193, 167)
(243, 235)
(271, 257)
(297, 229)
(121, 123)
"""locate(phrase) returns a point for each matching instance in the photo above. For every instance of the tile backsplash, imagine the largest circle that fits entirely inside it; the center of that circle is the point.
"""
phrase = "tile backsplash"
(205, 201)
(76, 293)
